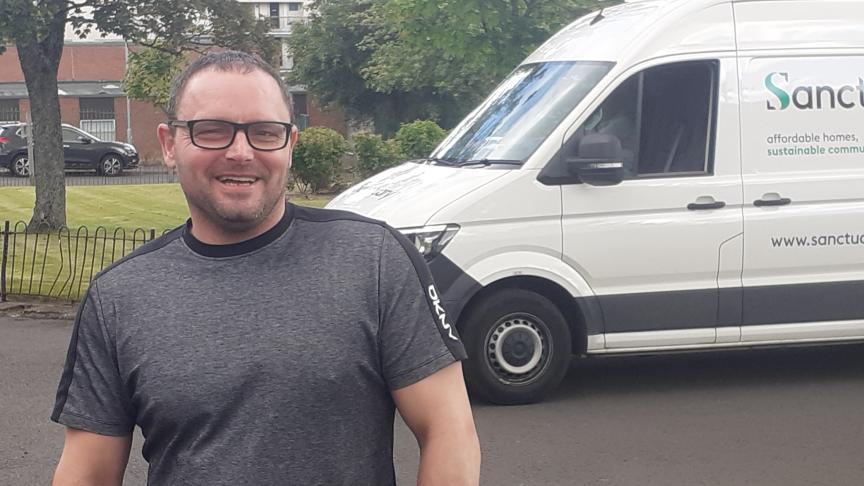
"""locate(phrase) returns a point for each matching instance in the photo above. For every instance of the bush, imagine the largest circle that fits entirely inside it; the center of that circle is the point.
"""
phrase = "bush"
(418, 138)
(317, 158)
(374, 154)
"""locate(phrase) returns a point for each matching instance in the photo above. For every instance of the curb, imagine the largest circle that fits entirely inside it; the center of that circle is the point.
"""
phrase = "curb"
(38, 310)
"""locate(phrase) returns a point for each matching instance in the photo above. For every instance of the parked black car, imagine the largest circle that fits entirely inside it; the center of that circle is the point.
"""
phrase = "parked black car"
(81, 151)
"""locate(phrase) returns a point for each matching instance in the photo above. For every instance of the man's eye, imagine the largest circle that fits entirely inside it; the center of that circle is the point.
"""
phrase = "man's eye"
(211, 132)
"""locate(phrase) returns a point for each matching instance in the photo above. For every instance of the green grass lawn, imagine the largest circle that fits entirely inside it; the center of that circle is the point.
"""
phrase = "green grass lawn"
(148, 206)
(105, 223)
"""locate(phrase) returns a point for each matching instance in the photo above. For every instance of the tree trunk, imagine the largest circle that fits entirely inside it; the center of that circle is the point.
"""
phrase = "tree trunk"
(40, 60)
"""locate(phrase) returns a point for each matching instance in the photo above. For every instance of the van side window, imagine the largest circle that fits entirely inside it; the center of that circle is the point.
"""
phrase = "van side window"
(664, 119)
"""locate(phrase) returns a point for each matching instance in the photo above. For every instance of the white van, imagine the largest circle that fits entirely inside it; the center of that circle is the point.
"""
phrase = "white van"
(658, 176)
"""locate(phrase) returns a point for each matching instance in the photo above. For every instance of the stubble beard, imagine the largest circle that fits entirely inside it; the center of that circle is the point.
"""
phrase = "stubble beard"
(236, 219)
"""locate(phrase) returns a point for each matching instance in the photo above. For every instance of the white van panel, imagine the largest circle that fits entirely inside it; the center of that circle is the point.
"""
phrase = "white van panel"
(509, 226)
(803, 139)
(653, 339)
(811, 155)
(800, 24)
(529, 264)
(810, 331)
(391, 196)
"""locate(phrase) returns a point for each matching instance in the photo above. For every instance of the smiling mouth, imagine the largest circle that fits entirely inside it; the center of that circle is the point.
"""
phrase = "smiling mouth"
(237, 180)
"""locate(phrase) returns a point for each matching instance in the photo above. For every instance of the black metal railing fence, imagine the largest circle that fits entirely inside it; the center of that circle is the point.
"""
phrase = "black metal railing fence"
(145, 174)
(61, 263)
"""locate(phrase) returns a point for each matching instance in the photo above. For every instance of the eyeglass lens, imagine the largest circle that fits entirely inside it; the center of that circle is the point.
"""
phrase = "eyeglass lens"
(217, 134)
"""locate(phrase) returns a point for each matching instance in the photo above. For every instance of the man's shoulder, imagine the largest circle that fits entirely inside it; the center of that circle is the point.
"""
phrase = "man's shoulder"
(324, 215)
(336, 220)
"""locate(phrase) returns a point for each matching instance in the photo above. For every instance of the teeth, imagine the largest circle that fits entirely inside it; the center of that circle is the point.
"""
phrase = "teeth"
(246, 180)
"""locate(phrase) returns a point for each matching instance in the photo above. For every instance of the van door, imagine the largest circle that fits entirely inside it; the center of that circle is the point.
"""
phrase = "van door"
(803, 169)
(657, 247)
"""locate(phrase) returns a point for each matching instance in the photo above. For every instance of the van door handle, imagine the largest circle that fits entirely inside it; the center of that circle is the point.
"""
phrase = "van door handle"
(771, 199)
(705, 202)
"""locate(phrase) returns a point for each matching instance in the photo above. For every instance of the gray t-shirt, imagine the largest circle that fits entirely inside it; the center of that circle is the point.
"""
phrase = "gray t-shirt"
(267, 362)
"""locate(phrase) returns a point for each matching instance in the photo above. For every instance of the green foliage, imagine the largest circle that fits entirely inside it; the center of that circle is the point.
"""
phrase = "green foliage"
(330, 52)
(149, 75)
(400, 60)
(375, 154)
(465, 46)
(418, 138)
(317, 158)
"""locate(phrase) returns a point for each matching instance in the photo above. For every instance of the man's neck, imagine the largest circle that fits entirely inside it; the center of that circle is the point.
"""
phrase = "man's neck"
(207, 232)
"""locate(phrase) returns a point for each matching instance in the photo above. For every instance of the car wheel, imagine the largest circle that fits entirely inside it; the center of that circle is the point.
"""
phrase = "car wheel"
(21, 165)
(111, 165)
(518, 345)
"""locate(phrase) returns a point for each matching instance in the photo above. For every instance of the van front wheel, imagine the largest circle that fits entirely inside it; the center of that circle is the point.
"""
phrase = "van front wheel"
(518, 345)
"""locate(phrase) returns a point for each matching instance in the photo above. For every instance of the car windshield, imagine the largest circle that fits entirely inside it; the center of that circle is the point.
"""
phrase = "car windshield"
(518, 116)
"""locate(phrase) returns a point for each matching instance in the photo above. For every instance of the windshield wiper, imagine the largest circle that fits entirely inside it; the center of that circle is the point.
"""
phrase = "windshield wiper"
(439, 161)
(488, 162)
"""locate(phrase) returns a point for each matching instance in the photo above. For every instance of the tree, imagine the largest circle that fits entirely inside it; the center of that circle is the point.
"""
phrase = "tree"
(330, 53)
(149, 74)
(37, 30)
(400, 60)
(464, 46)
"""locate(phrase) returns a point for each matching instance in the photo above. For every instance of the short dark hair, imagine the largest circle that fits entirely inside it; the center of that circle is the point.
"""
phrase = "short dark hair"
(225, 61)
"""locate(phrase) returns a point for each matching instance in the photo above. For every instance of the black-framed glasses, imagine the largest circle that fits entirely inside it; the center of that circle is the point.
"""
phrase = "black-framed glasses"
(219, 134)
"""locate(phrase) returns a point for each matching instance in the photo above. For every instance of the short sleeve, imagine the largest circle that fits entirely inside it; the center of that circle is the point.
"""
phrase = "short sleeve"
(416, 336)
(91, 396)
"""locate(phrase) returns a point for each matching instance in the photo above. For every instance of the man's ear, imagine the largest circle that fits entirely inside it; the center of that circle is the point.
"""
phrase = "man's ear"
(291, 143)
(166, 140)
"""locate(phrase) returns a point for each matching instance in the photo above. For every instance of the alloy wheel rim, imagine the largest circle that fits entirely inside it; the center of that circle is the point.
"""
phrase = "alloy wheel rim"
(111, 166)
(22, 166)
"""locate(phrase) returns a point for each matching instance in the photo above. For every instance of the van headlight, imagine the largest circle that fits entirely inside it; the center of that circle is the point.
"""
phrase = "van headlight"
(430, 240)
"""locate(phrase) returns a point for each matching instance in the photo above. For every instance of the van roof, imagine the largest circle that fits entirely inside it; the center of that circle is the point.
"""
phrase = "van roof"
(613, 33)
(652, 28)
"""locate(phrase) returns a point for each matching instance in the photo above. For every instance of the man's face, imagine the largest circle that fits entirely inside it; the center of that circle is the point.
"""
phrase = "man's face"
(236, 189)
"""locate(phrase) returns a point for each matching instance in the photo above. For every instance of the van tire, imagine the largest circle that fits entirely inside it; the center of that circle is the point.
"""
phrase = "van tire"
(501, 335)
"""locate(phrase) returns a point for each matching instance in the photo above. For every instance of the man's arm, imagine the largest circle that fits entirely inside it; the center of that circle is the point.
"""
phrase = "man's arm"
(90, 459)
(437, 410)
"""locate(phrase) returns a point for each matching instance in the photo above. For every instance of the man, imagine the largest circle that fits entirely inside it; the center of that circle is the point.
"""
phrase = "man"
(261, 343)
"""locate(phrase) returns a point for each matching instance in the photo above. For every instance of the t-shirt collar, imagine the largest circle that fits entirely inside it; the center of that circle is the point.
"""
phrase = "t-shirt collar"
(243, 247)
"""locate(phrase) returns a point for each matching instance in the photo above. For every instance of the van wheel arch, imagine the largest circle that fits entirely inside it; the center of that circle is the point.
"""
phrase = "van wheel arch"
(567, 305)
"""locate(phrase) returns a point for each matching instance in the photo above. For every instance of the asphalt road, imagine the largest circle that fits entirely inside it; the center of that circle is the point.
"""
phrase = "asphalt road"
(773, 417)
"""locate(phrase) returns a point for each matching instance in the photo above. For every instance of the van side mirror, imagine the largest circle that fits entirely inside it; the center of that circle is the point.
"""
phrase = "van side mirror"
(599, 161)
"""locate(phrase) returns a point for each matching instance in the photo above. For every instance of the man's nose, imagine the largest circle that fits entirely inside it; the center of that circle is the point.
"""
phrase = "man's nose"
(240, 150)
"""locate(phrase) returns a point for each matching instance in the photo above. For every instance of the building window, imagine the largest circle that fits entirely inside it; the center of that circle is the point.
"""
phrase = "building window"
(274, 15)
(9, 110)
(293, 6)
(301, 103)
(97, 118)
(301, 110)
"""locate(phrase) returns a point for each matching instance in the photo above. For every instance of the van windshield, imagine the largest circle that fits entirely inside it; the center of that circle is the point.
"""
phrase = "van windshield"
(518, 116)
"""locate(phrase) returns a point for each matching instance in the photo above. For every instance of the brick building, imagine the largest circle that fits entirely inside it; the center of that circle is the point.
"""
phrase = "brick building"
(92, 97)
